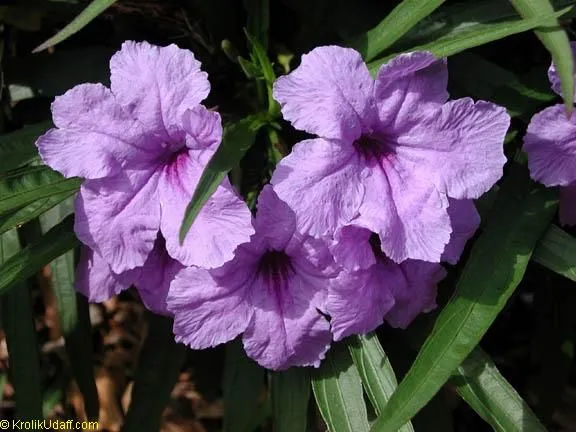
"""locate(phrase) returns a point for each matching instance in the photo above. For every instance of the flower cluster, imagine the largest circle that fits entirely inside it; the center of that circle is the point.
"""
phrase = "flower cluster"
(351, 231)
(550, 143)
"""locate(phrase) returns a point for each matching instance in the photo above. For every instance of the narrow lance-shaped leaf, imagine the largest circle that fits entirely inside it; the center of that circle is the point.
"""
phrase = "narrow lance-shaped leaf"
(73, 315)
(404, 16)
(475, 35)
(17, 148)
(24, 186)
(495, 268)
(555, 40)
(86, 16)
(375, 371)
(290, 396)
(33, 257)
(557, 252)
(22, 215)
(243, 384)
(481, 385)
(18, 325)
(338, 392)
(158, 370)
(457, 16)
(237, 139)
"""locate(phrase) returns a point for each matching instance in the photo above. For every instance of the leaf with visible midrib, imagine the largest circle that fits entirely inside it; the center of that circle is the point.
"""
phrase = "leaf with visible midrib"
(497, 263)
(404, 16)
(24, 186)
(481, 385)
(475, 35)
(237, 139)
(33, 257)
(375, 371)
(338, 391)
(22, 215)
(557, 252)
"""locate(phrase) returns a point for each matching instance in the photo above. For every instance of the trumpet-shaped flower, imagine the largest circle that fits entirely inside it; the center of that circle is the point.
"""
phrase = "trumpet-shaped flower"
(372, 287)
(141, 146)
(390, 152)
(96, 280)
(550, 143)
(272, 292)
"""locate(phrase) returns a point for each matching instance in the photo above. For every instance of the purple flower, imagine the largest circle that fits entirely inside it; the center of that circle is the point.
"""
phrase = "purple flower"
(96, 280)
(389, 152)
(550, 143)
(372, 287)
(141, 146)
(271, 292)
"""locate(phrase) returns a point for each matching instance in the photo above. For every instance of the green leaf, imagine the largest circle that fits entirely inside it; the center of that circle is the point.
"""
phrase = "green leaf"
(475, 35)
(290, 396)
(555, 40)
(497, 263)
(18, 323)
(33, 257)
(338, 392)
(557, 252)
(375, 371)
(21, 216)
(237, 139)
(86, 16)
(482, 79)
(158, 370)
(481, 385)
(21, 187)
(243, 385)
(258, 12)
(404, 16)
(455, 17)
(73, 315)
(78, 343)
(18, 148)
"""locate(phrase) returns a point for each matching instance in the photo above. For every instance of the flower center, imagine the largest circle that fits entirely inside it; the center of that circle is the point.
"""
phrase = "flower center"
(377, 247)
(174, 164)
(275, 268)
(372, 148)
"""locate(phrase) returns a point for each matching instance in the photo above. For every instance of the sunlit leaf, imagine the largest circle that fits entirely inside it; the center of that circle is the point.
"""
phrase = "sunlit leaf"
(475, 35)
(522, 212)
(375, 371)
(481, 385)
(557, 252)
(86, 16)
(23, 186)
(22, 215)
(237, 139)
(555, 40)
(404, 16)
(338, 391)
